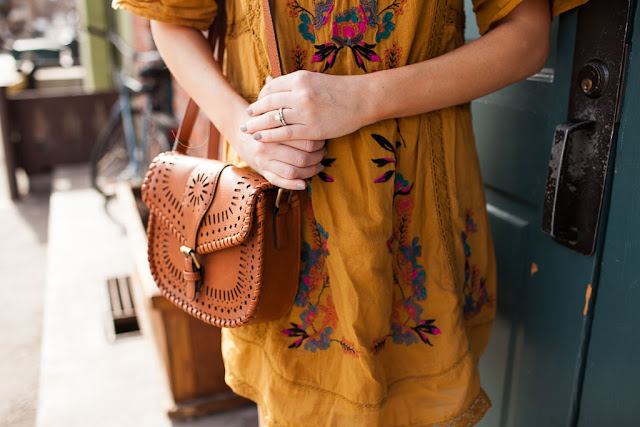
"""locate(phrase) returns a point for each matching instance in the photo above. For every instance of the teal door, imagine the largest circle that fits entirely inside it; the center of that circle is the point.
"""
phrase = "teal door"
(551, 361)
(611, 393)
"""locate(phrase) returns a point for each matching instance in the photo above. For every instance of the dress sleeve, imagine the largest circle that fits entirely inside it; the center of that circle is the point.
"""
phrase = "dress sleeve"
(193, 13)
(488, 12)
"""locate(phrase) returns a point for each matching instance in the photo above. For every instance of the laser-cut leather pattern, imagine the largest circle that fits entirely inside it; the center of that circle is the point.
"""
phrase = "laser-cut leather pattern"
(226, 214)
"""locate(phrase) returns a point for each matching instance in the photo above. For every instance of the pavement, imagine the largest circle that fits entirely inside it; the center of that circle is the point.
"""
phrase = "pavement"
(57, 363)
(23, 252)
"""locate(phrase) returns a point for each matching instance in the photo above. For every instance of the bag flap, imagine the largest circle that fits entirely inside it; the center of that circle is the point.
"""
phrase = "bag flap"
(205, 203)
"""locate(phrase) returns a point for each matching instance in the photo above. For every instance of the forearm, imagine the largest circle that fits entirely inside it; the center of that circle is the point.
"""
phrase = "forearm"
(514, 50)
(188, 55)
(320, 106)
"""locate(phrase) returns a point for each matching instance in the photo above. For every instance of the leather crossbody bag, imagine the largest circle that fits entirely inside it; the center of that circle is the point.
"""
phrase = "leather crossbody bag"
(223, 243)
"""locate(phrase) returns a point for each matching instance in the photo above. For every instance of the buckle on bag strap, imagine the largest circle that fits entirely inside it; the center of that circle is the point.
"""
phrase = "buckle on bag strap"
(279, 227)
(186, 251)
(278, 198)
(192, 273)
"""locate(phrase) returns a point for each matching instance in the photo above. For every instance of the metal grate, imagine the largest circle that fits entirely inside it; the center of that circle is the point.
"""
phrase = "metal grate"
(121, 303)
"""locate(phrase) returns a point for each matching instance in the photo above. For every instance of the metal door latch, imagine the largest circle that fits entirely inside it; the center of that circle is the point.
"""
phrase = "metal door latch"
(580, 154)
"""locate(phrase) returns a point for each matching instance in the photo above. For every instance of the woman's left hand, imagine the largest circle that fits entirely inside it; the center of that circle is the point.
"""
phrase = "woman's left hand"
(315, 106)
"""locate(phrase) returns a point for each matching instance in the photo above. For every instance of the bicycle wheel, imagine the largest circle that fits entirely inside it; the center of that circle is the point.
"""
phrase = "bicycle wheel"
(110, 160)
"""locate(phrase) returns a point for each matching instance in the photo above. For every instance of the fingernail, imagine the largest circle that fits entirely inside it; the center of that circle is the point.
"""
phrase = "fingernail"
(301, 186)
(250, 111)
(320, 168)
(257, 136)
(243, 127)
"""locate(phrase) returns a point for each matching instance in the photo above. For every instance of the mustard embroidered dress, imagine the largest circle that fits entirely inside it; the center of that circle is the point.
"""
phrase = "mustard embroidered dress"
(397, 289)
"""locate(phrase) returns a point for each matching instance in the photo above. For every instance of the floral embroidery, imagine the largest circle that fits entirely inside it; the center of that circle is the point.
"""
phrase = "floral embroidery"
(383, 161)
(348, 29)
(475, 291)
(369, 10)
(295, 8)
(379, 344)
(318, 319)
(392, 56)
(349, 348)
(306, 29)
(409, 277)
(299, 56)
(323, 10)
(327, 163)
(310, 21)
(386, 26)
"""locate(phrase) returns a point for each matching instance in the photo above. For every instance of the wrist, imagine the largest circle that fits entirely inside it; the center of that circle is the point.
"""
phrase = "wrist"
(374, 108)
(229, 120)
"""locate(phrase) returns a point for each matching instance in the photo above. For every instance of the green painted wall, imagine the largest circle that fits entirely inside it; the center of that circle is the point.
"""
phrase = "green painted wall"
(94, 51)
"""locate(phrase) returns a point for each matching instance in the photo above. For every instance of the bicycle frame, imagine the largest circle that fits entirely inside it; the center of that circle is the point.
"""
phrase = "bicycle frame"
(126, 116)
(122, 110)
(141, 121)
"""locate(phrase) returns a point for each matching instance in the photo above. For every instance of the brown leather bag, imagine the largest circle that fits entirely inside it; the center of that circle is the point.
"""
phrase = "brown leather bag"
(223, 243)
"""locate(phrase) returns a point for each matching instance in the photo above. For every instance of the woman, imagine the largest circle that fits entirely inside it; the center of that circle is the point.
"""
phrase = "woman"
(397, 285)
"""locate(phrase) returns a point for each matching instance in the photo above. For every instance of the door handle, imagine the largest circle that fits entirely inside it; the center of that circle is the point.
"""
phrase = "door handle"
(576, 190)
(556, 212)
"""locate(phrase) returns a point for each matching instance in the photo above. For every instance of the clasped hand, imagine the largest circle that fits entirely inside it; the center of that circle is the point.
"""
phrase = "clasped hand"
(315, 107)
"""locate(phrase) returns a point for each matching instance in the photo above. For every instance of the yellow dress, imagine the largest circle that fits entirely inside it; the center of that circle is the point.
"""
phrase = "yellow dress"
(397, 289)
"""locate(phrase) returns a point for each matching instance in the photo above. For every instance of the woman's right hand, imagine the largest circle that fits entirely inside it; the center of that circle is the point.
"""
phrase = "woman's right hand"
(285, 164)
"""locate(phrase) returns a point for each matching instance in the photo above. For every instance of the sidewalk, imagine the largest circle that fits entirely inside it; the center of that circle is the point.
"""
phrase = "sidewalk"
(23, 227)
(87, 379)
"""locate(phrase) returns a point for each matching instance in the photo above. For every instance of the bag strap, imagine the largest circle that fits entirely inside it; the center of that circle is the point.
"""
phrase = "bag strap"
(272, 40)
(216, 39)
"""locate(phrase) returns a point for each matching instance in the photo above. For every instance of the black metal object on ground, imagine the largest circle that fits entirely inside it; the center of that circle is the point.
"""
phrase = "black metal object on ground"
(122, 307)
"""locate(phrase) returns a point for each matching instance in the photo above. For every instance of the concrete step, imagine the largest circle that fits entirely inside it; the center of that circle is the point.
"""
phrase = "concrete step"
(86, 378)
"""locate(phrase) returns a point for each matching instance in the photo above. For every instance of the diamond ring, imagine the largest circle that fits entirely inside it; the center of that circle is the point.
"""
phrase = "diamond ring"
(280, 117)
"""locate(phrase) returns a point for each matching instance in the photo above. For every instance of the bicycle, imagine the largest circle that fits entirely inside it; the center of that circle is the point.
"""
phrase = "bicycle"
(133, 136)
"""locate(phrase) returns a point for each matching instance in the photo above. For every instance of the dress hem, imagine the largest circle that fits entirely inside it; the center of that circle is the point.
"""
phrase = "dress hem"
(467, 354)
(468, 417)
